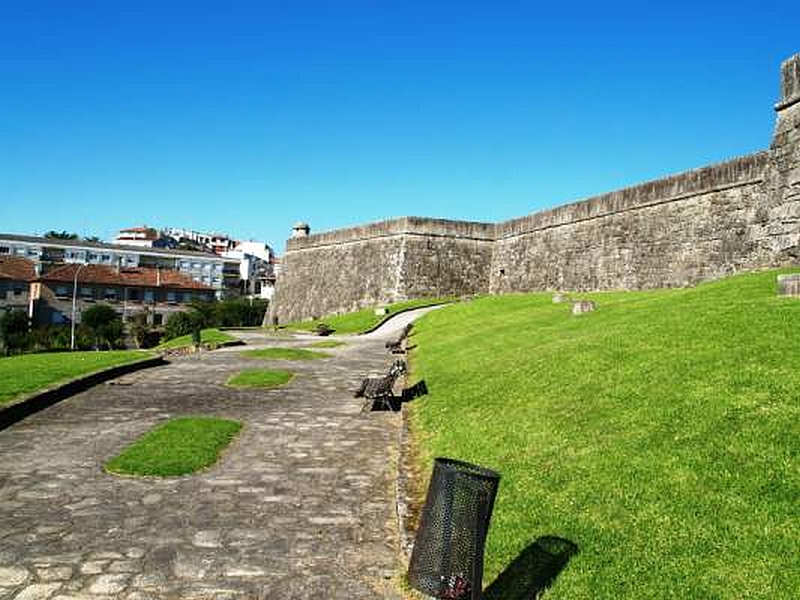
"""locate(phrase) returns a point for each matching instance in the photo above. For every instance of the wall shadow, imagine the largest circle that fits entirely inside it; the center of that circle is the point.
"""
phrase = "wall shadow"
(533, 571)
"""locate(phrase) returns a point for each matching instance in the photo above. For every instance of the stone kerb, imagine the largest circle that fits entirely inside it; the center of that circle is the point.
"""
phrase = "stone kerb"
(28, 405)
(733, 173)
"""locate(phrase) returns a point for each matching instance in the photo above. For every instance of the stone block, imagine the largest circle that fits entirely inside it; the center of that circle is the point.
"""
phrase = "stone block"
(580, 307)
(789, 285)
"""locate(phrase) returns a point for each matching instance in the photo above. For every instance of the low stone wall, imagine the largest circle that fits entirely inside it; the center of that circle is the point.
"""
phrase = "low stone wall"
(19, 409)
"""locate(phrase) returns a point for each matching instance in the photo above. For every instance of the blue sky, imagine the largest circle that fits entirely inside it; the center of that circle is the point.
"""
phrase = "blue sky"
(244, 117)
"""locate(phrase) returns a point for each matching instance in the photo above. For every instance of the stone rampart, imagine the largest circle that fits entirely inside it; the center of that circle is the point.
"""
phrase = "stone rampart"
(380, 263)
(673, 231)
(702, 224)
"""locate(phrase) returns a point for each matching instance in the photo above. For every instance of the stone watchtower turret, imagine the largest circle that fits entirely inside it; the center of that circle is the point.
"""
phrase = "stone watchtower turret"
(782, 185)
(300, 229)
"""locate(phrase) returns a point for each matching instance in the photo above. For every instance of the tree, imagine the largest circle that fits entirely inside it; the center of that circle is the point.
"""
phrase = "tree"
(104, 325)
(60, 235)
(182, 323)
(14, 330)
(144, 334)
(92, 238)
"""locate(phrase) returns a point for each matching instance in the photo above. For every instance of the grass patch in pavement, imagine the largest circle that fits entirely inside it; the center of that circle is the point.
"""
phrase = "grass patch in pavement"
(178, 447)
(327, 344)
(284, 354)
(260, 378)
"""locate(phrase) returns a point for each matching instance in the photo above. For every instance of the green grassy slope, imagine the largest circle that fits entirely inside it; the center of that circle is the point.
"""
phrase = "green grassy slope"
(27, 373)
(207, 336)
(363, 320)
(660, 433)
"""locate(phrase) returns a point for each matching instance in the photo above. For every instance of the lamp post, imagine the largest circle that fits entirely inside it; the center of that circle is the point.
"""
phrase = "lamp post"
(74, 303)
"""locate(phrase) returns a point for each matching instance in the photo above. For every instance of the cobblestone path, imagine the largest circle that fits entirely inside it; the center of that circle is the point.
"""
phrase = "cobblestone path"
(301, 505)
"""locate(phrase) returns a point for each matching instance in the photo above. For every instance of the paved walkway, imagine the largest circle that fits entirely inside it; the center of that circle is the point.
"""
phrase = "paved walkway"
(300, 506)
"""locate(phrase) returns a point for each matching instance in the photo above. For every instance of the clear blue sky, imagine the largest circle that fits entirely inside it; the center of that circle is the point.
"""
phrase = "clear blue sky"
(244, 117)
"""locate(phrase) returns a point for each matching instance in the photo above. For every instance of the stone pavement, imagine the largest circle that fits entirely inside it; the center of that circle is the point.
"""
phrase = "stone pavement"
(301, 505)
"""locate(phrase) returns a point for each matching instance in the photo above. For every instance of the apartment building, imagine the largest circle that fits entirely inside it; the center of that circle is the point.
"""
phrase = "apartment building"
(129, 290)
(16, 275)
(211, 270)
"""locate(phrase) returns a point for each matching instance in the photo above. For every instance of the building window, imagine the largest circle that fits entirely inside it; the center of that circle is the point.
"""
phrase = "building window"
(62, 292)
(149, 296)
(170, 296)
(158, 319)
(20, 251)
(185, 265)
(91, 256)
(105, 257)
(87, 293)
(4, 249)
(197, 266)
(110, 294)
(18, 290)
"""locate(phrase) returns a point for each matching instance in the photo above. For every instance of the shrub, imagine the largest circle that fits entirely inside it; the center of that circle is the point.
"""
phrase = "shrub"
(104, 325)
(241, 312)
(237, 312)
(182, 323)
(143, 333)
(14, 331)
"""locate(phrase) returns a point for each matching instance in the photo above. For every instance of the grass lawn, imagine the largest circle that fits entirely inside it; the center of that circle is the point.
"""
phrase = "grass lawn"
(177, 447)
(207, 336)
(27, 373)
(660, 433)
(262, 378)
(327, 344)
(363, 320)
(285, 354)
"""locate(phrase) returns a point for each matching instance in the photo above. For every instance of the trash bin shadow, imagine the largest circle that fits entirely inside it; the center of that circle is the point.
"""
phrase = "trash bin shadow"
(533, 571)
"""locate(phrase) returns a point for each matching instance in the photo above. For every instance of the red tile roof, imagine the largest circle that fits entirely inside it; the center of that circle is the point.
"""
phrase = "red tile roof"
(132, 277)
(17, 268)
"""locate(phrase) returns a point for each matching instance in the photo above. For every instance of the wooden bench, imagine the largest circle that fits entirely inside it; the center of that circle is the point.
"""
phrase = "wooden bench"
(323, 329)
(380, 390)
(396, 346)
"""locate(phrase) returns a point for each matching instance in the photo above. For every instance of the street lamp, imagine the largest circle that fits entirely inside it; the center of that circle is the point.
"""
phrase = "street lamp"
(74, 303)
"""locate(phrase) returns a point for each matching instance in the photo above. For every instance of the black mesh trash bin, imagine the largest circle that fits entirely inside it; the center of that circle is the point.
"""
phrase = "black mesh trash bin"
(447, 560)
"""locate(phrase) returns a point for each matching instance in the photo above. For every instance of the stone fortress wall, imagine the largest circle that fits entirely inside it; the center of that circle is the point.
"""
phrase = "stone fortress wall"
(702, 224)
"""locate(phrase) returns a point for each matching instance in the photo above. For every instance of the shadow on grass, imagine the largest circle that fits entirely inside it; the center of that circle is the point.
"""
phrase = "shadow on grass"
(533, 571)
